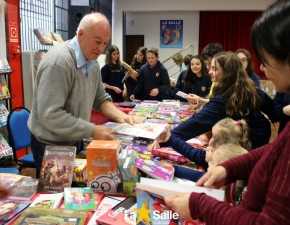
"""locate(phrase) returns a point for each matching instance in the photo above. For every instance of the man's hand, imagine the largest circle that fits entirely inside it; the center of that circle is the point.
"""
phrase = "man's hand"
(103, 133)
(127, 119)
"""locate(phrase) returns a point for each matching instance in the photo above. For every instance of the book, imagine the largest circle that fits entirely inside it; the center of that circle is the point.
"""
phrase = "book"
(24, 189)
(43, 36)
(122, 214)
(4, 66)
(57, 37)
(4, 90)
(127, 66)
(3, 115)
(169, 153)
(52, 201)
(40, 53)
(106, 204)
(150, 196)
(10, 209)
(51, 216)
(145, 130)
(140, 108)
(57, 168)
(5, 149)
(102, 165)
(127, 104)
(79, 199)
(80, 170)
(181, 94)
(10, 179)
(155, 169)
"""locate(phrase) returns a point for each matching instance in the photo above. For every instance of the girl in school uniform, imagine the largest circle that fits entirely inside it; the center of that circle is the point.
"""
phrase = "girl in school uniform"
(138, 61)
(234, 96)
(154, 79)
(113, 74)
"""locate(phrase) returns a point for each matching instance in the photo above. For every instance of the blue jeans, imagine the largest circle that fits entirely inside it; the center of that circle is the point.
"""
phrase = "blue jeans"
(38, 148)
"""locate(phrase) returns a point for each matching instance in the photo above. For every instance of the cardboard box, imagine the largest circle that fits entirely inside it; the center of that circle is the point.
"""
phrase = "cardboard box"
(102, 165)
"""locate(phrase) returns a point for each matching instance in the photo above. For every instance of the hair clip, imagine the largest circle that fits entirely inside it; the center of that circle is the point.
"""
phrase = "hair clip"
(239, 122)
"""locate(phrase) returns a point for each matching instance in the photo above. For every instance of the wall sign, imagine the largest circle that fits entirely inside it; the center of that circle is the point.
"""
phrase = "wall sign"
(171, 33)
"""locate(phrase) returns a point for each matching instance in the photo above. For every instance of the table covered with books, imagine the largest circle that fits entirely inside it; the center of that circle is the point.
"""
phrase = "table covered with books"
(123, 177)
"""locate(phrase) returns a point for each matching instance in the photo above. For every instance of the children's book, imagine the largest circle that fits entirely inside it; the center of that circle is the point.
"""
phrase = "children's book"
(169, 153)
(4, 66)
(3, 115)
(9, 209)
(111, 125)
(155, 169)
(47, 201)
(57, 168)
(150, 196)
(181, 94)
(106, 204)
(24, 189)
(122, 214)
(43, 36)
(40, 53)
(80, 170)
(140, 108)
(5, 149)
(158, 121)
(127, 104)
(51, 216)
(79, 199)
(102, 165)
(4, 90)
(127, 66)
(9, 179)
(145, 130)
(57, 37)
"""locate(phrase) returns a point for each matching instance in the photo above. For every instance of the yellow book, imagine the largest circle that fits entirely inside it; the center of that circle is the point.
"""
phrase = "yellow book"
(80, 170)
(127, 66)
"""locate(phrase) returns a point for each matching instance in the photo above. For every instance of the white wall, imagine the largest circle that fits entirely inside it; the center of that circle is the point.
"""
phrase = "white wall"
(3, 51)
(169, 8)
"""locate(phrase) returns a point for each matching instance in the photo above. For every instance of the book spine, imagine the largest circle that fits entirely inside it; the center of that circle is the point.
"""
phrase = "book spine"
(168, 155)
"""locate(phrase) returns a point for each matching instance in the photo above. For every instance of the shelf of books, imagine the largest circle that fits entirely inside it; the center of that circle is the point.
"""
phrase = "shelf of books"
(5, 96)
(45, 38)
(115, 180)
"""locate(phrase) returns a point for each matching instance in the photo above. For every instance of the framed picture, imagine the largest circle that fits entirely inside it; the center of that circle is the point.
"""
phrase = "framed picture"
(171, 33)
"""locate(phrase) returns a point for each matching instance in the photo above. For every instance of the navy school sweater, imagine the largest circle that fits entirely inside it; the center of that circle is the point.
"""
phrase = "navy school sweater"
(150, 78)
(214, 111)
(113, 77)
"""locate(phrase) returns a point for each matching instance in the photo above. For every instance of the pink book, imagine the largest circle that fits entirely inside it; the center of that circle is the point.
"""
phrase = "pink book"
(155, 169)
(169, 153)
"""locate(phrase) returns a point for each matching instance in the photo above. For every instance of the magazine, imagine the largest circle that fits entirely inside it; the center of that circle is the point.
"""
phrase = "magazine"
(4, 66)
(9, 179)
(47, 201)
(24, 189)
(5, 149)
(9, 209)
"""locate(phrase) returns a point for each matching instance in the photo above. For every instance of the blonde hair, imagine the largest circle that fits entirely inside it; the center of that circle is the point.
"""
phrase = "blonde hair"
(224, 153)
(238, 129)
(179, 58)
(228, 151)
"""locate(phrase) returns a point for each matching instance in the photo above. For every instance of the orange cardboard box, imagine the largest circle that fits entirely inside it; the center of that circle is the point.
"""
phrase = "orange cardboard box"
(102, 165)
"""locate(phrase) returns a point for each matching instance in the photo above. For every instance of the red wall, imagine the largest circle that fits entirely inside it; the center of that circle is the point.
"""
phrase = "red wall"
(14, 52)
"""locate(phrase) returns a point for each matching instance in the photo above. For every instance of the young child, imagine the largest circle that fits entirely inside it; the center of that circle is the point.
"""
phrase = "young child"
(222, 154)
(113, 74)
(154, 79)
(237, 129)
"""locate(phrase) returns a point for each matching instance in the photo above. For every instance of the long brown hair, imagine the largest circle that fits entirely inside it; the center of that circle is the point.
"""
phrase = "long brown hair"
(250, 68)
(235, 85)
(109, 61)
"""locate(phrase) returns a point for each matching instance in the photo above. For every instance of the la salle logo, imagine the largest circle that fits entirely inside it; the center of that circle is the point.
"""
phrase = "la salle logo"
(157, 74)
(203, 88)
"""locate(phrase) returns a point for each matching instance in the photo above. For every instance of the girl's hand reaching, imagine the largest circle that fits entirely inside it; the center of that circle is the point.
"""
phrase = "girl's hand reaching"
(164, 136)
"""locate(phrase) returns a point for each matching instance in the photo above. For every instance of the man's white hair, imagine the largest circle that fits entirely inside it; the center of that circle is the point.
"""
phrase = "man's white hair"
(87, 20)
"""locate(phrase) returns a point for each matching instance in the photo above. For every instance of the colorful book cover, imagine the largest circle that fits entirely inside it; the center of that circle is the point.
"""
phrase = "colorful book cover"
(43, 37)
(9, 179)
(158, 121)
(5, 149)
(51, 216)
(57, 168)
(80, 170)
(4, 90)
(47, 201)
(145, 130)
(57, 37)
(3, 115)
(169, 153)
(4, 66)
(152, 209)
(140, 108)
(24, 189)
(155, 169)
(40, 54)
(79, 199)
(168, 108)
(102, 165)
(122, 214)
(9, 209)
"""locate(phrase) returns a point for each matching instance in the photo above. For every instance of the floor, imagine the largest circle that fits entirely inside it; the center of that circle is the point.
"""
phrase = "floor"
(31, 172)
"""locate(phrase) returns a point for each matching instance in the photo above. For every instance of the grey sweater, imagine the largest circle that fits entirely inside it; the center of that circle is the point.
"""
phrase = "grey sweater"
(63, 98)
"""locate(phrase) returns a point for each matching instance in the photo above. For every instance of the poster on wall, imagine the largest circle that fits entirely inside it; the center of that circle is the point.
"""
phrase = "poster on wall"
(171, 33)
